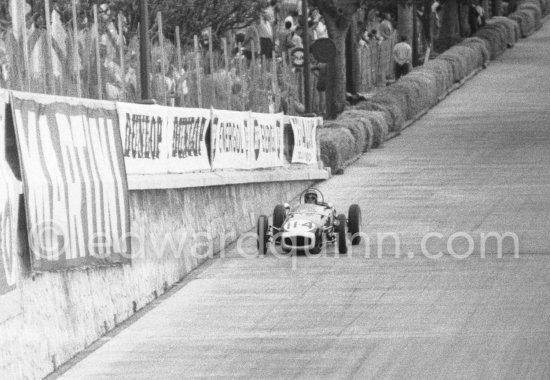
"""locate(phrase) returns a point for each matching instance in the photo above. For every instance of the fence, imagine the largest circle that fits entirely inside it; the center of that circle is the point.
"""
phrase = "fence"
(95, 60)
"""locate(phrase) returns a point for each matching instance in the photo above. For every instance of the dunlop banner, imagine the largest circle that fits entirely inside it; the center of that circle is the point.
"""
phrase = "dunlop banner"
(232, 145)
(74, 180)
(187, 129)
(268, 140)
(305, 139)
(145, 138)
(10, 304)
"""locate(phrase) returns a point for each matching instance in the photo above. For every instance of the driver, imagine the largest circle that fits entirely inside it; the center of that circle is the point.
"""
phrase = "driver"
(310, 198)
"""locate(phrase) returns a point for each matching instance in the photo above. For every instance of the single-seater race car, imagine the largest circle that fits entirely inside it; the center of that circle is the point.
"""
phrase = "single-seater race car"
(309, 226)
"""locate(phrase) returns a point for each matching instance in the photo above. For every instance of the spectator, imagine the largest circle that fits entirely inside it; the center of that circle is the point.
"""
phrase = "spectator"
(370, 38)
(309, 31)
(318, 26)
(473, 18)
(292, 18)
(436, 11)
(402, 54)
(290, 39)
(385, 28)
(252, 37)
(265, 32)
(276, 12)
(239, 41)
(481, 11)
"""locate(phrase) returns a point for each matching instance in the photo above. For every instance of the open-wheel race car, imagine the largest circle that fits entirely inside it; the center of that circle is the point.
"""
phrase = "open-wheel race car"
(309, 226)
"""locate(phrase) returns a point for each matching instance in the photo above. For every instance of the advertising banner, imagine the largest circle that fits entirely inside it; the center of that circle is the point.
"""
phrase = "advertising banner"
(187, 135)
(145, 138)
(232, 145)
(10, 303)
(268, 140)
(76, 192)
(305, 139)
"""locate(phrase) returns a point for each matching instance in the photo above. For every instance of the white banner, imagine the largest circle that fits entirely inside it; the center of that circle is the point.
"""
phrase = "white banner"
(268, 140)
(10, 303)
(305, 139)
(232, 145)
(187, 137)
(145, 138)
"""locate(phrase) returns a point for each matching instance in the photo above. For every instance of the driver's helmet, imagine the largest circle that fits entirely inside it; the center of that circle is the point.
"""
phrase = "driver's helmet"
(310, 197)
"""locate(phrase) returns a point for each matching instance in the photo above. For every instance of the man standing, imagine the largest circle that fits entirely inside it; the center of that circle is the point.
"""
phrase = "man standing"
(402, 55)
(265, 31)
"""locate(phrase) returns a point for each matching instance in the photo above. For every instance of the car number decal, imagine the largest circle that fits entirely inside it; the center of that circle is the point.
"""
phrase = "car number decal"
(302, 224)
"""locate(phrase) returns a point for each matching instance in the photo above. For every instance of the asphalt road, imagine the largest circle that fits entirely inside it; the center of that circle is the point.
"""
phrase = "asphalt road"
(478, 163)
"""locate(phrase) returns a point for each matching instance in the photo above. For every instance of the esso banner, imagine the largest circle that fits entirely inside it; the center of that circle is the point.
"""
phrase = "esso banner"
(74, 181)
(10, 304)
(232, 145)
(145, 138)
(305, 139)
(188, 129)
(268, 140)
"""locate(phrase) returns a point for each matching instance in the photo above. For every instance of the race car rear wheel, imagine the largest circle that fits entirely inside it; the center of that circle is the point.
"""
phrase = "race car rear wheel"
(262, 229)
(279, 216)
(342, 243)
(354, 224)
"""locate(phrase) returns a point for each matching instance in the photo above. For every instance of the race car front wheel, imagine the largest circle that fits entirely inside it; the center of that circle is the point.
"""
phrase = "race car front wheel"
(342, 243)
(263, 239)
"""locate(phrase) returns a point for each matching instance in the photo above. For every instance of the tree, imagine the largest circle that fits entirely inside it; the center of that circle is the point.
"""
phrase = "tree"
(338, 16)
(450, 26)
(427, 22)
(192, 16)
(405, 20)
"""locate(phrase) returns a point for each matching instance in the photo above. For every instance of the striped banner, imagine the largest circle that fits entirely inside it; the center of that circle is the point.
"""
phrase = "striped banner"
(76, 192)
(9, 206)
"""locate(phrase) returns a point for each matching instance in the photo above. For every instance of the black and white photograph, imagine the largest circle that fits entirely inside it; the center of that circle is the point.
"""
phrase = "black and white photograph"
(274, 189)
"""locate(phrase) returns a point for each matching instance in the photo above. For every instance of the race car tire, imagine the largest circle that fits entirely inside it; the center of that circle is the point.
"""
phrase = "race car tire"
(279, 216)
(263, 240)
(342, 243)
(354, 224)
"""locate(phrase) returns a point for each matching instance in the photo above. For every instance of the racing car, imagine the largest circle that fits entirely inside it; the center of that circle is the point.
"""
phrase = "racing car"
(309, 226)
